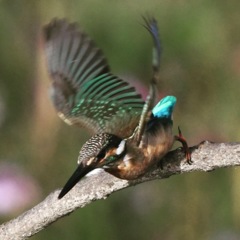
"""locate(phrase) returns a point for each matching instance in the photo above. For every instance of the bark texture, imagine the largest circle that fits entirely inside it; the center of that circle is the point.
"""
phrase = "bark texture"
(206, 157)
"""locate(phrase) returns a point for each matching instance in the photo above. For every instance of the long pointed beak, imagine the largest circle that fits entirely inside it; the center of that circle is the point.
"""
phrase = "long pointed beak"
(79, 173)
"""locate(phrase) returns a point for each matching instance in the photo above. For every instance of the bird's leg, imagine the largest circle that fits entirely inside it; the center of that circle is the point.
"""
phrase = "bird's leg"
(186, 149)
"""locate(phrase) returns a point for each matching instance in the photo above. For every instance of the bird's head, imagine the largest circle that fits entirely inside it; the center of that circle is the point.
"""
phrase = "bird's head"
(100, 151)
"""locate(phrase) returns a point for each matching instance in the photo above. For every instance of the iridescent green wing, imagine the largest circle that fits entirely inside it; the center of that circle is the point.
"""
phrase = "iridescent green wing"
(84, 92)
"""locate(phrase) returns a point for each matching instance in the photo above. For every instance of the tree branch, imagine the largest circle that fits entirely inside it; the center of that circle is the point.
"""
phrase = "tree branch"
(206, 157)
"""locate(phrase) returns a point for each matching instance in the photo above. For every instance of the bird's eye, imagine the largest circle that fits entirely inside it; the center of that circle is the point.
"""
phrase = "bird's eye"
(102, 154)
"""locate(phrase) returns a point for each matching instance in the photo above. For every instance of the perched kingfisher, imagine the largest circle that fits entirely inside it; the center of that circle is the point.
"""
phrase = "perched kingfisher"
(129, 135)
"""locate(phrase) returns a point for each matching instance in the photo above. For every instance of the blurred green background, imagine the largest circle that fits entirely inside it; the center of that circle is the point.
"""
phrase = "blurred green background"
(200, 66)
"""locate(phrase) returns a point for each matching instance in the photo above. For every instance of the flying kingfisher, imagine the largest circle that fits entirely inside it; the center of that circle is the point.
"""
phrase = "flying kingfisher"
(129, 135)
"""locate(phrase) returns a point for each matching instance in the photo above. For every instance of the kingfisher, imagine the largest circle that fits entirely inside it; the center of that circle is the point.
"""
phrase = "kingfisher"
(129, 135)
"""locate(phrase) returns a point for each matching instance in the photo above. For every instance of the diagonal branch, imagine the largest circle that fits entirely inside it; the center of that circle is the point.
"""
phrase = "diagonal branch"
(206, 157)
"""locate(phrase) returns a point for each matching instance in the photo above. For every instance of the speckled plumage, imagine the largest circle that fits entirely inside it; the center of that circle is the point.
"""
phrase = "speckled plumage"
(96, 144)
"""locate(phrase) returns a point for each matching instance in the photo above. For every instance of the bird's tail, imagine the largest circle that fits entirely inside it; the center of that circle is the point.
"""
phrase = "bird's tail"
(152, 27)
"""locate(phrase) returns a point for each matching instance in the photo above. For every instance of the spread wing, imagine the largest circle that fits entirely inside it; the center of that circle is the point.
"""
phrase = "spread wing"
(84, 91)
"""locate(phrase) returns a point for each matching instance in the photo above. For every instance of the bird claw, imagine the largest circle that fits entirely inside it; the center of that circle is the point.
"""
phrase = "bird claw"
(188, 156)
(186, 149)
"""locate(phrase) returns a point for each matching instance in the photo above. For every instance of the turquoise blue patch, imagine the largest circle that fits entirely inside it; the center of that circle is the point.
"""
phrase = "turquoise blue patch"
(165, 107)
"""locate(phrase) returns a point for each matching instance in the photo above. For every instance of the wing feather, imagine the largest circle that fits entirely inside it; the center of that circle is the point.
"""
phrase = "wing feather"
(84, 91)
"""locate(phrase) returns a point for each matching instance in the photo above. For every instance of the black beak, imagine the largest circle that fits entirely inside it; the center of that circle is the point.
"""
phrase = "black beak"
(79, 173)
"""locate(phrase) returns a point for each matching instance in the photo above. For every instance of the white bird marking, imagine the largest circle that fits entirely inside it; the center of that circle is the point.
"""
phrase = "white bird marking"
(121, 147)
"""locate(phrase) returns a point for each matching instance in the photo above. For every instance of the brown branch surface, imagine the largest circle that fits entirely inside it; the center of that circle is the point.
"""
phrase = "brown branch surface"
(206, 157)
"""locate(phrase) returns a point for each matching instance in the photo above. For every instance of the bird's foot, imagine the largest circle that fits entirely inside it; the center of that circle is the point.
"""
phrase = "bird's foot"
(186, 149)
